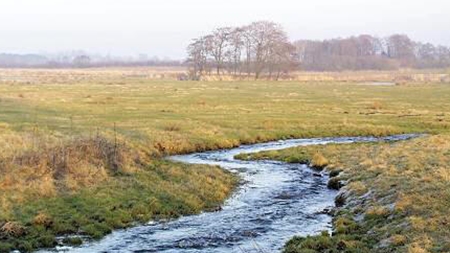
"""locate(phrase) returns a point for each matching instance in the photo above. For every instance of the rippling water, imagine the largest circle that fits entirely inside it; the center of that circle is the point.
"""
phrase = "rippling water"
(278, 201)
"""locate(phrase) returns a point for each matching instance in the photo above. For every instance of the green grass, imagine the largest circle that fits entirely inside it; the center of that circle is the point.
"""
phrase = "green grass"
(46, 118)
(157, 191)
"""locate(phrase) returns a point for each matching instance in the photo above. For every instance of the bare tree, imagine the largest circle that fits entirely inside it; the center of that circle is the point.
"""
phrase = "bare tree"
(402, 48)
(443, 56)
(368, 45)
(247, 38)
(357, 53)
(197, 57)
(266, 37)
(216, 44)
(282, 60)
(234, 51)
(82, 61)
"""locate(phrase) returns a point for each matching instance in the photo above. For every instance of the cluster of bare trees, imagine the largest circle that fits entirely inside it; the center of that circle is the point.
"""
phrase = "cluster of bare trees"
(261, 48)
(369, 52)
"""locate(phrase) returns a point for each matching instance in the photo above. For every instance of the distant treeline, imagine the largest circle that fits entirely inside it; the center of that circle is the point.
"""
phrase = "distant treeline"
(366, 52)
(78, 60)
(263, 48)
(22, 60)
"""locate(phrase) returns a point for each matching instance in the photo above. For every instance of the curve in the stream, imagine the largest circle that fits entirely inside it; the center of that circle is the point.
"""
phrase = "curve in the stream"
(278, 201)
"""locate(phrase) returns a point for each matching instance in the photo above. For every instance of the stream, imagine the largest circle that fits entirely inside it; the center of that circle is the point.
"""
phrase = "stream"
(276, 201)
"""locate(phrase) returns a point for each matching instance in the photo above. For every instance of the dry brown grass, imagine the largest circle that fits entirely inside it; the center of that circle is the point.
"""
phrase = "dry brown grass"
(358, 188)
(43, 219)
(318, 160)
(400, 77)
(395, 77)
(67, 167)
(71, 76)
(376, 105)
(11, 229)
(398, 240)
(122, 74)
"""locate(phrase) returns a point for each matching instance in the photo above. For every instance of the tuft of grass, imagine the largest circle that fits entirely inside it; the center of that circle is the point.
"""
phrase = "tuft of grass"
(172, 128)
(376, 105)
(398, 240)
(318, 161)
(377, 212)
(11, 229)
(43, 219)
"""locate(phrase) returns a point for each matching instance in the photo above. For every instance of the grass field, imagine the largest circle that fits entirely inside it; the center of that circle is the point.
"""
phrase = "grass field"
(66, 143)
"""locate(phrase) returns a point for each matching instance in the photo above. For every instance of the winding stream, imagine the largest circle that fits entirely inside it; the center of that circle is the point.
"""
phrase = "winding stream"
(277, 201)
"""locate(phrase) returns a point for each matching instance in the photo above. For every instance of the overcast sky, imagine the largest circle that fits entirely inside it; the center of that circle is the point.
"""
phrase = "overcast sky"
(165, 27)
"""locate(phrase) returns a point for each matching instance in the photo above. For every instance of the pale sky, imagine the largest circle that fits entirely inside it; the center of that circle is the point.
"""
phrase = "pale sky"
(165, 27)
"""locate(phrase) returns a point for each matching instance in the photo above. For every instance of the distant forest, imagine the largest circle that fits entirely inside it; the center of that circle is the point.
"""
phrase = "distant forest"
(263, 48)
(369, 52)
(79, 59)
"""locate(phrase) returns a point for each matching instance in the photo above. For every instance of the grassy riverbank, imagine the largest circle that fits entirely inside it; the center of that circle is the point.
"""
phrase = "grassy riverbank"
(90, 194)
(70, 143)
(395, 199)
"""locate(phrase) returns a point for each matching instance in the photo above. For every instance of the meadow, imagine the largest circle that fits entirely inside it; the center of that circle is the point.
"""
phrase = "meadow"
(89, 145)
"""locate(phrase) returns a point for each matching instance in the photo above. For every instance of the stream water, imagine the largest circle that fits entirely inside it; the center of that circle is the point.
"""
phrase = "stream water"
(277, 201)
